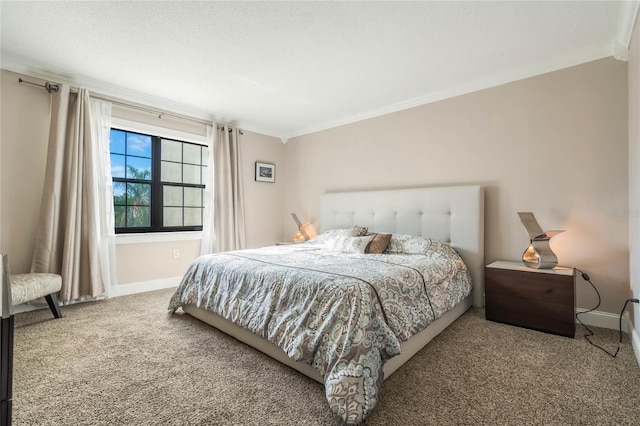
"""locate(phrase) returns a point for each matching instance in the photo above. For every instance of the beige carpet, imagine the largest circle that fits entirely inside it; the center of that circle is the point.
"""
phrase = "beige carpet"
(125, 361)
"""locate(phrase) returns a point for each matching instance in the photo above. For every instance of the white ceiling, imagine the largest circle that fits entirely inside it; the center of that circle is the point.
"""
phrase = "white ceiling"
(291, 68)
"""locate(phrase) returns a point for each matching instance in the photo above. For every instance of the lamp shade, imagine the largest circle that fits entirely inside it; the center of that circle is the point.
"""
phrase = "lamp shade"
(308, 231)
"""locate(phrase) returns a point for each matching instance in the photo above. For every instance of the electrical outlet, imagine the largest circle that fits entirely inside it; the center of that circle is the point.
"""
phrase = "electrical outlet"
(176, 253)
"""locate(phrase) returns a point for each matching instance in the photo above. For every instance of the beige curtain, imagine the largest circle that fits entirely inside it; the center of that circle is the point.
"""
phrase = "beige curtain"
(226, 232)
(69, 237)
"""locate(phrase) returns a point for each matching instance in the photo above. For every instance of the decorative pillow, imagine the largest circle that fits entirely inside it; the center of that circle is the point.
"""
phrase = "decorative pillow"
(413, 244)
(378, 243)
(350, 245)
(358, 231)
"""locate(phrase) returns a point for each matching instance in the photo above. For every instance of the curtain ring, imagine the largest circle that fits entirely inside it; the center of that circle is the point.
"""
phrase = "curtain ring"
(51, 87)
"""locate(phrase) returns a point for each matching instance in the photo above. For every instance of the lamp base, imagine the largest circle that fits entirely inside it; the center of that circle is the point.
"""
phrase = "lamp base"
(539, 255)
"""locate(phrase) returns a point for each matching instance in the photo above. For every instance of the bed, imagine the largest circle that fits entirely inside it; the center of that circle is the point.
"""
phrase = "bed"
(282, 300)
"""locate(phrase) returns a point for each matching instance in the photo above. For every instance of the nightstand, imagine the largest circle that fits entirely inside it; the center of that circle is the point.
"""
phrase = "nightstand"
(540, 299)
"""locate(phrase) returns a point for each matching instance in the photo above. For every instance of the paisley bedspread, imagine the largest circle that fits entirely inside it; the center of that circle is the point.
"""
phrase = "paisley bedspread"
(344, 314)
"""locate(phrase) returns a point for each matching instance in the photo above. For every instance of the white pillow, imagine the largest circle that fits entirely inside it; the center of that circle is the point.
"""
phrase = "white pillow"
(327, 237)
(350, 245)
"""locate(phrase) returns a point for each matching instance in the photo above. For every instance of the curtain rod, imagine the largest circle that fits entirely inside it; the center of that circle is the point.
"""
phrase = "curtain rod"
(220, 126)
(54, 87)
(153, 111)
(49, 87)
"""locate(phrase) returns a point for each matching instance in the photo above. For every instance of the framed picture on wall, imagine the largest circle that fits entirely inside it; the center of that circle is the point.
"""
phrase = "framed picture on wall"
(265, 172)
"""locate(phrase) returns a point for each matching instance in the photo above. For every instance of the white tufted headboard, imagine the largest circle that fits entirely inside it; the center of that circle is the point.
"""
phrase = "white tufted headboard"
(453, 214)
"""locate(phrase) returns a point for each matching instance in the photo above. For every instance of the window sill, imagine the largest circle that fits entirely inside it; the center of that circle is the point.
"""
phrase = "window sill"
(157, 237)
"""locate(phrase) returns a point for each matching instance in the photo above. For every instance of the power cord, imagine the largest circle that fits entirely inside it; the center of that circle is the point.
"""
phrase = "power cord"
(585, 277)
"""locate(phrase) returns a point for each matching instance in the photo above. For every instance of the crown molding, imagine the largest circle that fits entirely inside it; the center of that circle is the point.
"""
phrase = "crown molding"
(630, 9)
(626, 23)
(531, 70)
(26, 67)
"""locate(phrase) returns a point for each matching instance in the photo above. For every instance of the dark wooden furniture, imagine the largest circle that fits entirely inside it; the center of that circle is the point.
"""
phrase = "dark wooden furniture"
(6, 344)
(540, 299)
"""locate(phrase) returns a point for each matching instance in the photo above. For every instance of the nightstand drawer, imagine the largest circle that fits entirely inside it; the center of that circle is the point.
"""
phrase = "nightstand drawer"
(530, 313)
(530, 285)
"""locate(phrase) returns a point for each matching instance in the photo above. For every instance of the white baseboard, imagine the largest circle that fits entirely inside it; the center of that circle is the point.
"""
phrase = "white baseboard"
(605, 320)
(612, 321)
(635, 343)
(144, 286)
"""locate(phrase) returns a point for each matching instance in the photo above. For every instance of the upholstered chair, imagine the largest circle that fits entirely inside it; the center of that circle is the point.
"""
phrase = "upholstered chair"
(28, 287)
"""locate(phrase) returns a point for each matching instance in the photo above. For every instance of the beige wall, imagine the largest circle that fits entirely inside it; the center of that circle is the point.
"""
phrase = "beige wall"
(555, 144)
(144, 262)
(24, 137)
(263, 201)
(24, 130)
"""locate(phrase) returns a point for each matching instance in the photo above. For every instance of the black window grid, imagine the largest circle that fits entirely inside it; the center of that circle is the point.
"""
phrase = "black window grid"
(157, 203)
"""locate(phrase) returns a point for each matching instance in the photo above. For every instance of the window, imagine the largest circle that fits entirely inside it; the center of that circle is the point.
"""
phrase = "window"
(158, 183)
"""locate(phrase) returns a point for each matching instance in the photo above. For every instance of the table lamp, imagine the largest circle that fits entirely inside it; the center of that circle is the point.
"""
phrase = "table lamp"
(305, 232)
(539, 254)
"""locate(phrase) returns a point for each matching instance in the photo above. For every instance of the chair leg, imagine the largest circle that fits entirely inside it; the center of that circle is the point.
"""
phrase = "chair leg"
(54, 305)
